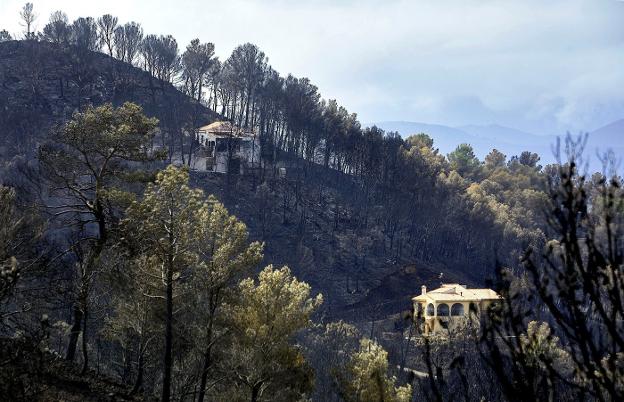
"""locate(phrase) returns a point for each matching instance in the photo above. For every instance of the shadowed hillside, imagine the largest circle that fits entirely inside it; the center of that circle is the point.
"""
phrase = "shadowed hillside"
(42, 84)
(174, 224)
(311, 221)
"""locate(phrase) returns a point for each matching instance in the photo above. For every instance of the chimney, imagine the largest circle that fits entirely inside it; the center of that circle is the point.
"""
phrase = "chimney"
(423, 289)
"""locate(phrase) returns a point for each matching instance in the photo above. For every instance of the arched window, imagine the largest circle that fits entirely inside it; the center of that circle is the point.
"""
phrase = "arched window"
(443, 310)
(430, 310)
(457, 309)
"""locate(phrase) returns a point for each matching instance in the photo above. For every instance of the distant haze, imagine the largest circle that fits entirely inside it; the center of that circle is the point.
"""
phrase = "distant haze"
(538, 66)
(512, 142)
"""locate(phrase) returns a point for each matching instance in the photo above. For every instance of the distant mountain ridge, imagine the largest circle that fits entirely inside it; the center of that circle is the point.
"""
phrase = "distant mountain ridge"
(505, 134)
(510, 141)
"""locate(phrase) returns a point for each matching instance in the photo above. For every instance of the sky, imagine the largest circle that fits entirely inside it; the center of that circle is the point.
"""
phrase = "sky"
(544, 66)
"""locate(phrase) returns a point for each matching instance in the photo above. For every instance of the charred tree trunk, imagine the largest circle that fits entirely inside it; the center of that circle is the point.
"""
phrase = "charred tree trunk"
(255, 392)
(75, 332)
(168, 358)
(204, 376)
(85, 351)
(139, 379)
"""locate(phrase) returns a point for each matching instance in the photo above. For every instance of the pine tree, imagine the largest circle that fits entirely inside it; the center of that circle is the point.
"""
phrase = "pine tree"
(165, 226)
(367, 379)
(263, 361)
(225, 255)
(86, 168)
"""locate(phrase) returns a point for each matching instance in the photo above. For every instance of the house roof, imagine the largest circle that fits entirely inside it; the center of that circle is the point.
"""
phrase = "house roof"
(225, 128)
(451, 292)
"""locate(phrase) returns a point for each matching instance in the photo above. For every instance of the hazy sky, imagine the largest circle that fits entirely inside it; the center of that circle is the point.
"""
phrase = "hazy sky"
(539, 65)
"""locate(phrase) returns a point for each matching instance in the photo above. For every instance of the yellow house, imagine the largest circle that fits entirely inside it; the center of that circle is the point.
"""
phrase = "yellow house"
(452, 307)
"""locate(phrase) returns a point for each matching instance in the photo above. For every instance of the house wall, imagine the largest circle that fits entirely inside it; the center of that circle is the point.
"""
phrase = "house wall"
(434, 324)
(248, 154)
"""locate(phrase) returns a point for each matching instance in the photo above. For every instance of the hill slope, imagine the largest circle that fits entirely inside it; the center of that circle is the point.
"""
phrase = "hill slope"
(305, 225)
(611, 137)
(42, 85)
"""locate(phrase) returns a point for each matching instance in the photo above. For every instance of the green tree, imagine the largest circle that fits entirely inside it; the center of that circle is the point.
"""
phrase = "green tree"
(529, 159)
(495, 159)
(541, 348)
(187, 251)
(86, 168)
(265, 319)
(464, 161)
(134, 323)
(225, 255)
(366, 377)
(574, 281)
(165, 225)
(421, 140)
(329, 349)
(422, 163)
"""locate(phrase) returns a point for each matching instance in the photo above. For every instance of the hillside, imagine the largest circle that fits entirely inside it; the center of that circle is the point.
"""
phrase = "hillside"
(324, 255)
(29, 373)
(43, 84)
(611, 136)
(183, 224)
(37, 96)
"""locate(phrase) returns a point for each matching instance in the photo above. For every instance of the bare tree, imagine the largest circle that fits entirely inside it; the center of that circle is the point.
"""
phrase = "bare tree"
(57, 30)
(127, 41)
(168, 60)
(160, 56)
(134, 36)
(28, 17)
(84, 34)
(248, 65)
(149, 53)
(196, 62)
(5, 36)
(107, 25)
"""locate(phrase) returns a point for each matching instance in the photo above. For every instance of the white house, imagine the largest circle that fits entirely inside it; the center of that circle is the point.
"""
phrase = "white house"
(224, 146)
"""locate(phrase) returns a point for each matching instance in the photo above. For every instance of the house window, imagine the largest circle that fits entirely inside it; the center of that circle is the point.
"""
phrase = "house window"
(430, 310)
(443, 310)
(457, 309)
